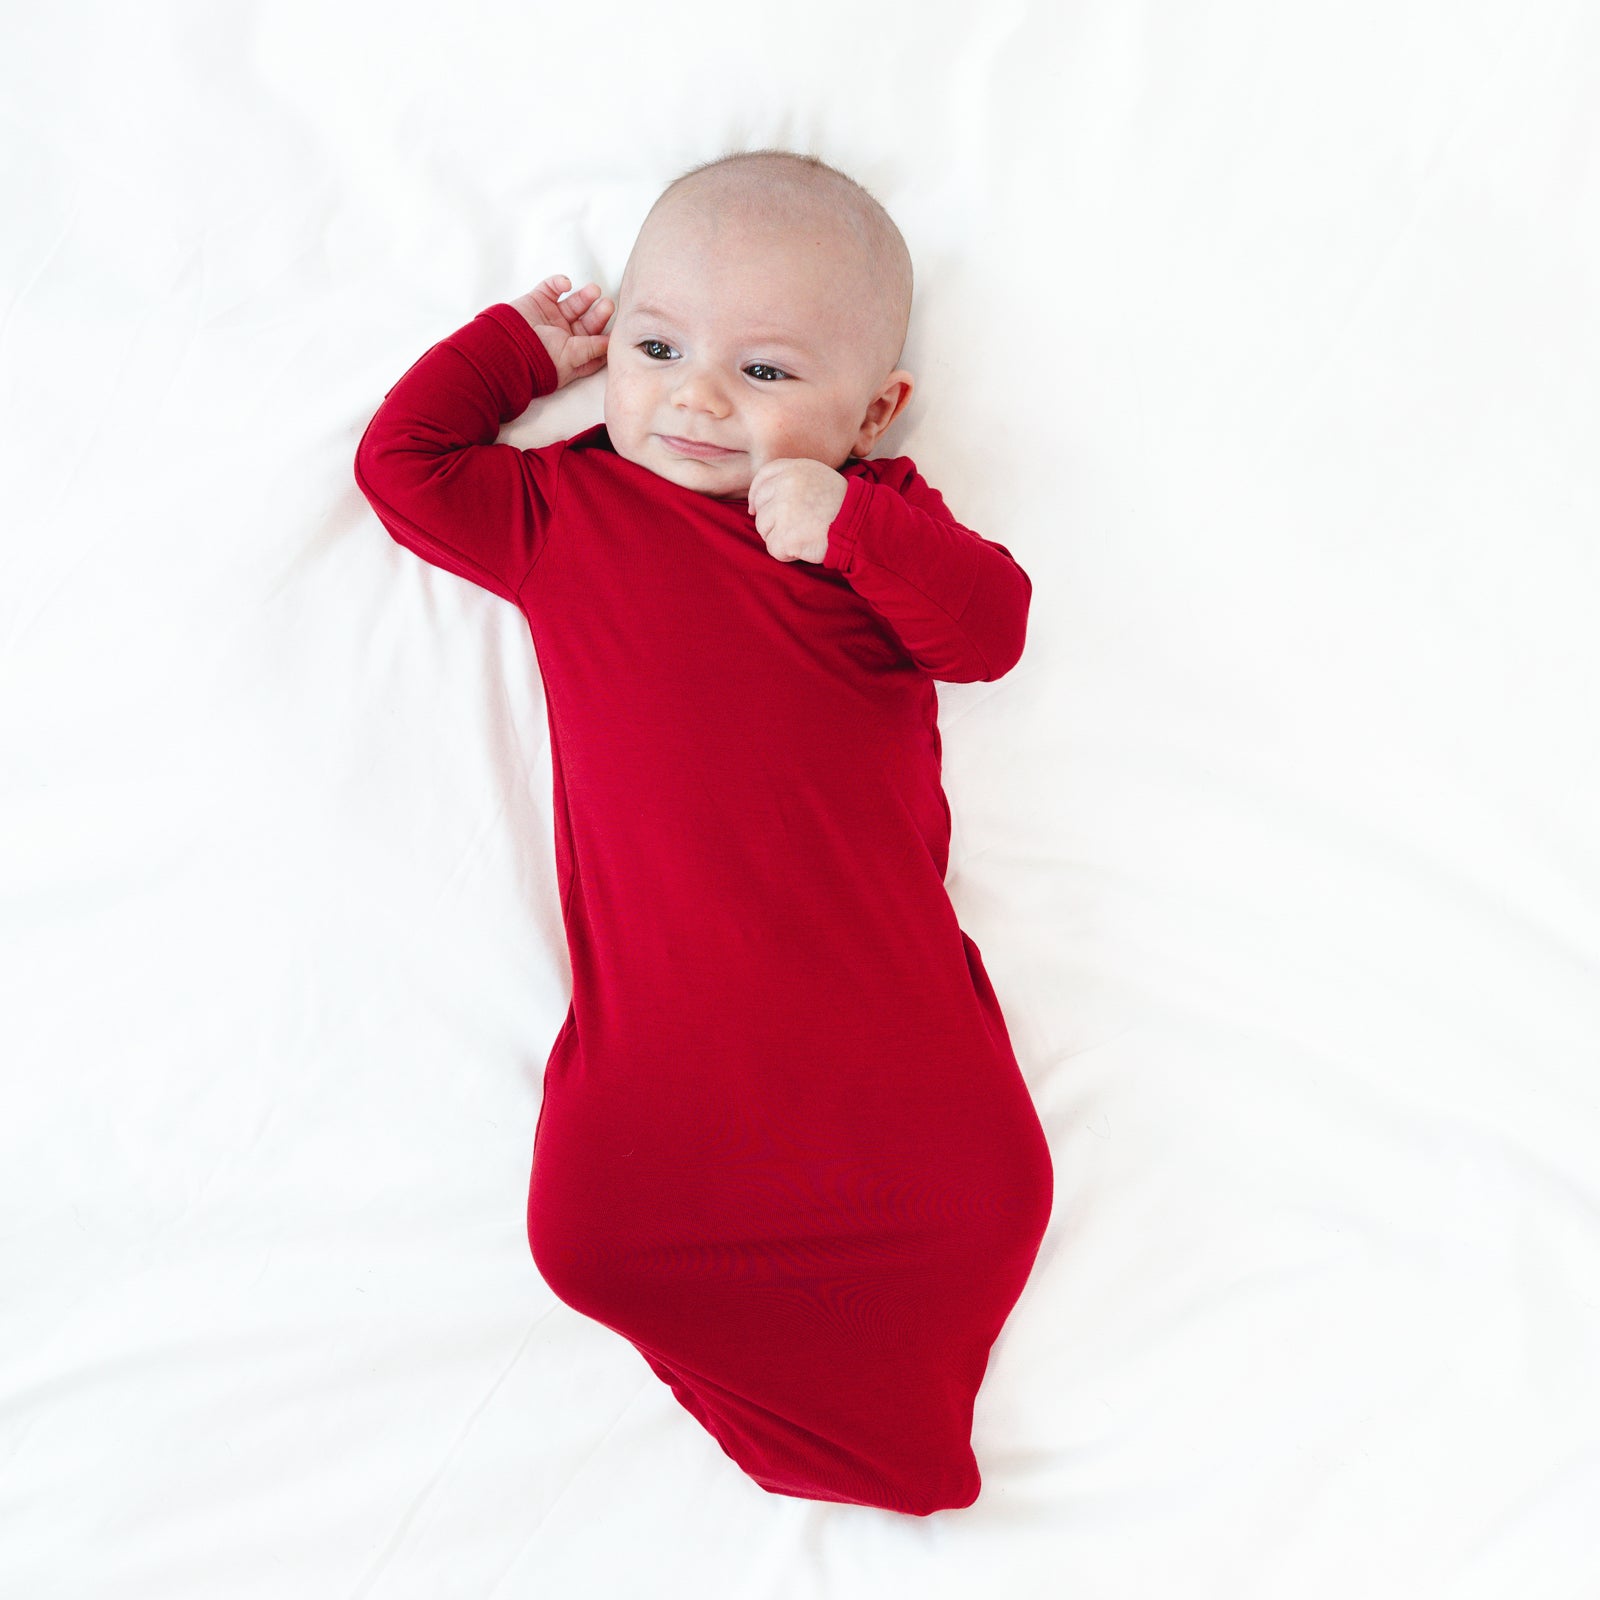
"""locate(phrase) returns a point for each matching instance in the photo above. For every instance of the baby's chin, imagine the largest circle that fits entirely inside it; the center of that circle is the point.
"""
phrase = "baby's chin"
(717, 480)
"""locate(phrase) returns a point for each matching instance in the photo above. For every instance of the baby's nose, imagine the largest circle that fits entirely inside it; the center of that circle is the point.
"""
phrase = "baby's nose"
(699, 390)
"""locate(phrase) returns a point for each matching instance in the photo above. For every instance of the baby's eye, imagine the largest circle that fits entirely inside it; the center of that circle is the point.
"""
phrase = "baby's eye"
(660, 344)
(757, 367)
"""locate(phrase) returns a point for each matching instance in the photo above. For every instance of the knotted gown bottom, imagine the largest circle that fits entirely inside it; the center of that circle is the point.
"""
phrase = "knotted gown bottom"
(808, 1185)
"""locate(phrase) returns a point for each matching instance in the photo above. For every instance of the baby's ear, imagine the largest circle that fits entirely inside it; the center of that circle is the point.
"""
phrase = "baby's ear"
(890, 400)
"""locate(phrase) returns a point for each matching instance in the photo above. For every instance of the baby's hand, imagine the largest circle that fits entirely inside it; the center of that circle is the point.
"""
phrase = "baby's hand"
(794, 501)
(569, 329)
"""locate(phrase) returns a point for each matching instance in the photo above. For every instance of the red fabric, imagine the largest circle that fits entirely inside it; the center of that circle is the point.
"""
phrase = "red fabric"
(784, 1148)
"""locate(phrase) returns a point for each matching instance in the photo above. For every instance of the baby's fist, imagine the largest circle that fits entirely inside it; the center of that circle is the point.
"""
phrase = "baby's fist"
(794, 501)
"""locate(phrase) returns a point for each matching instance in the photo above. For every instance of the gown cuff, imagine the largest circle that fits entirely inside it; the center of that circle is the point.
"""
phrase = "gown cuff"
(845, 529)
(545, 377)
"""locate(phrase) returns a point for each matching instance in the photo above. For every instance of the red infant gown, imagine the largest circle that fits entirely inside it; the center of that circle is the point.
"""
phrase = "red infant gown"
(784, 1148)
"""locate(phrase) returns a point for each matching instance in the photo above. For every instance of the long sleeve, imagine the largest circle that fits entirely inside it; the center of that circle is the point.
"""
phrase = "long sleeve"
(429, 467)
(958, 602)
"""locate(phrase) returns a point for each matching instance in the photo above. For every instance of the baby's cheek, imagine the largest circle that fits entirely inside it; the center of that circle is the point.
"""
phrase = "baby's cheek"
(622, 396)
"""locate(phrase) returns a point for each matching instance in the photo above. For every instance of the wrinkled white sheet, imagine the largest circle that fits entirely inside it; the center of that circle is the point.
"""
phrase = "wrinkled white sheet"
(1266, 338)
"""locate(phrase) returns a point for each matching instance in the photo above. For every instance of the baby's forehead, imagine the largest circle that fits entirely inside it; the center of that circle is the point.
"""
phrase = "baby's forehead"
(748, 254)
(831, 335)
(775, 285)
(780, 274)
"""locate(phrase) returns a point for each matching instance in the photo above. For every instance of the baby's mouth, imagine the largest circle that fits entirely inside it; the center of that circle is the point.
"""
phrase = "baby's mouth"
(693, 450)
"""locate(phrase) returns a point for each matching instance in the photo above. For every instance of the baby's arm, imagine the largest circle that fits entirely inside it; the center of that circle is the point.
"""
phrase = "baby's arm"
(957, 601)
(428, 464)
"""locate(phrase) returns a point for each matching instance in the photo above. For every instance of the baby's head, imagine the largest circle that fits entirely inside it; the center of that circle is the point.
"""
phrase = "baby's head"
(763, 309)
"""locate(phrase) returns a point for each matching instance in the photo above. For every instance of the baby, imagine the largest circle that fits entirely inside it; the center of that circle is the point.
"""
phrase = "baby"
(752, 255)
(784, 1146)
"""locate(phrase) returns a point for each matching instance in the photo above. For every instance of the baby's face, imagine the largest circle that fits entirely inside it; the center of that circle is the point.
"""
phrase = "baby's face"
(747, 338)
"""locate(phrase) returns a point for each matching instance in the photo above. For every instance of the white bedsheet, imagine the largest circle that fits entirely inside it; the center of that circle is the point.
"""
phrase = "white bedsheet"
(1266, 338)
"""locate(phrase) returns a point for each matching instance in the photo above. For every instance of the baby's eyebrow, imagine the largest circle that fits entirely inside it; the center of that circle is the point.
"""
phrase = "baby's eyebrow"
(778, 340)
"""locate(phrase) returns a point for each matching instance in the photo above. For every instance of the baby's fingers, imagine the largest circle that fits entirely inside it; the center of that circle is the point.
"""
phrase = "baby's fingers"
(587, 353)
(579, 303)
(580, 306)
